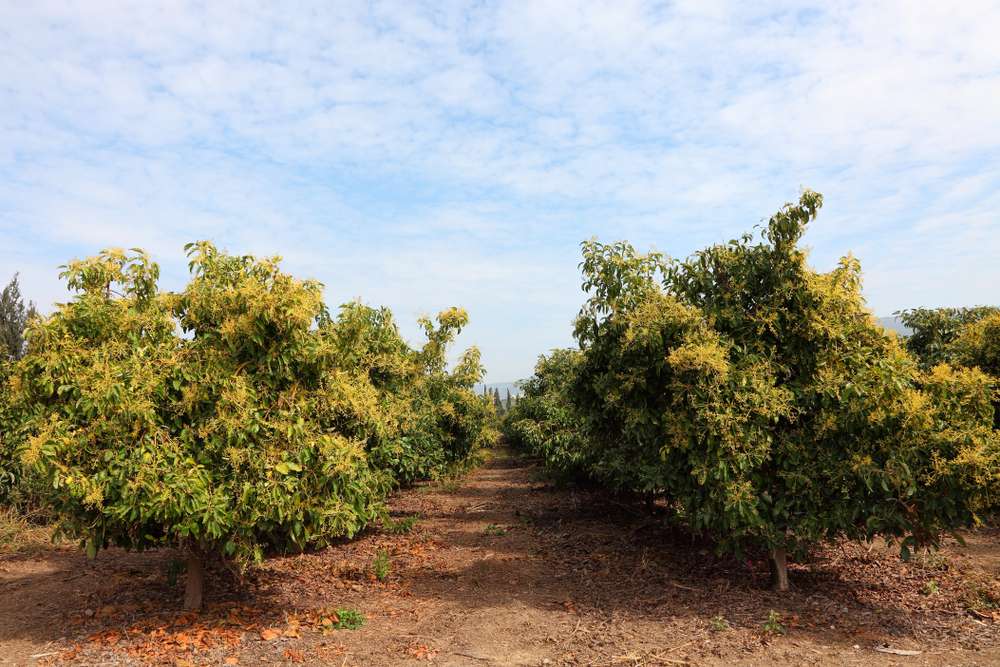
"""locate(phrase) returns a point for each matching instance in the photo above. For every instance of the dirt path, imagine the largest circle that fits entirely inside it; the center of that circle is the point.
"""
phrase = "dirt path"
(504, 569)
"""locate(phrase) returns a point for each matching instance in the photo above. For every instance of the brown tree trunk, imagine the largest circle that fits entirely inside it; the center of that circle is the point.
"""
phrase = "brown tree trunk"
(779, 569)
(195, 581)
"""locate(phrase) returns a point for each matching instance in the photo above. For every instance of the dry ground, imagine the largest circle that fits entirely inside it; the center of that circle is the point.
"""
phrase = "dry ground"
(504, 569)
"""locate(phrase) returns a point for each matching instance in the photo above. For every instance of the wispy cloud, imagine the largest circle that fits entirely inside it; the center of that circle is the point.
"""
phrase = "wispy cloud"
(421, 155)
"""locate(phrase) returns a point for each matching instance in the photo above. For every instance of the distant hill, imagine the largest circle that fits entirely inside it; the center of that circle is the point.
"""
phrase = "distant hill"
(895, 324)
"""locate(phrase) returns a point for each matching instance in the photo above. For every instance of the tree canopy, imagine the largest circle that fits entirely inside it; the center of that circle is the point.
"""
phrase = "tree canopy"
(763, 400)
(934, 330)
(235, 416)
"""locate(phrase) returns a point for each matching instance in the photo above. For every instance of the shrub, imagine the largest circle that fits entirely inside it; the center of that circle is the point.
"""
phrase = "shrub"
(773, 625)
(401, 526)
(348, 619)
(719, 624)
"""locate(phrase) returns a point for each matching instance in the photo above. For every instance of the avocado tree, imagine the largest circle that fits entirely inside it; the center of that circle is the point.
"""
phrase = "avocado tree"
(210, 419)
(423, 418)
(934, 330)
(461, 421)
(964, 337)
(545, 422)
(978, 346)
(764, 401)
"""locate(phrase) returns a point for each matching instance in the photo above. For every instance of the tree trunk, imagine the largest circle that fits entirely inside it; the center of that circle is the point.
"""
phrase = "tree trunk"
(195, 581)
(779, 569)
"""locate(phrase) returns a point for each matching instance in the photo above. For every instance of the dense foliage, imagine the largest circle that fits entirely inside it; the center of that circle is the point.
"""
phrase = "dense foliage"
(966, 337)
(9, 466)
(763, 400)
(934, 330)
(15, 490)
(544, 422)
(417, 418)
(978, 346)
(235, 416)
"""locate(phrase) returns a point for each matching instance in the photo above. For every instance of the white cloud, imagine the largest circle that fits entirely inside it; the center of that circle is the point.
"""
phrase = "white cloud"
(426, 154)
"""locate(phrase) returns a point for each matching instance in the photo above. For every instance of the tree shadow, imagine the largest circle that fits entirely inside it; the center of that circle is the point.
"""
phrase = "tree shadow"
(604, 557)
(502, 539)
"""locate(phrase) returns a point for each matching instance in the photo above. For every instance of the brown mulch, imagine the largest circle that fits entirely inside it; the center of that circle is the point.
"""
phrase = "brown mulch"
(506, 569)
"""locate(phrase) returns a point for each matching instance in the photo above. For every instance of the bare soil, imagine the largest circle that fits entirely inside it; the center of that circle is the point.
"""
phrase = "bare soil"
(506, 569)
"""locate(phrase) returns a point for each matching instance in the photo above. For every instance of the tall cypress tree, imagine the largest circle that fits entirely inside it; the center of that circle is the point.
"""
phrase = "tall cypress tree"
(14, 317)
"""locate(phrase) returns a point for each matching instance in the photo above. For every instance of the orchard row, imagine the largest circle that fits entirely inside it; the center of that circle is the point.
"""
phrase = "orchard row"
(233, 418)
(762, 402)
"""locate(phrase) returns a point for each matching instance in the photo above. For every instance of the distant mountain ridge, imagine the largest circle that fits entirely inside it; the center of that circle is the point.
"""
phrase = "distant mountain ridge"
(894, 323)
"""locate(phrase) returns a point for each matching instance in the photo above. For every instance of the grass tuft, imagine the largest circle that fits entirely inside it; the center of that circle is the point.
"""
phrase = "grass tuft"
(381, 567)
(18, 535)
(773, 624)
(348, 619)
(401, 526)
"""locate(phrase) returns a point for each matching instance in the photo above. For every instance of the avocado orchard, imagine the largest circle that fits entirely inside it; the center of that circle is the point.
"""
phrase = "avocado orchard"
(758, 396)
(761, 399)
(236, 416)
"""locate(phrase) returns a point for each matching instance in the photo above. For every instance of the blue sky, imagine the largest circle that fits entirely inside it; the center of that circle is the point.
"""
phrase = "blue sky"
(427, 155)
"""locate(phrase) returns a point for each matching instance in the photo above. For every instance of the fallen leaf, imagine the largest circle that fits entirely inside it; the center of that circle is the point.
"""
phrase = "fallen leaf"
(269, 634)
(295, 656)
